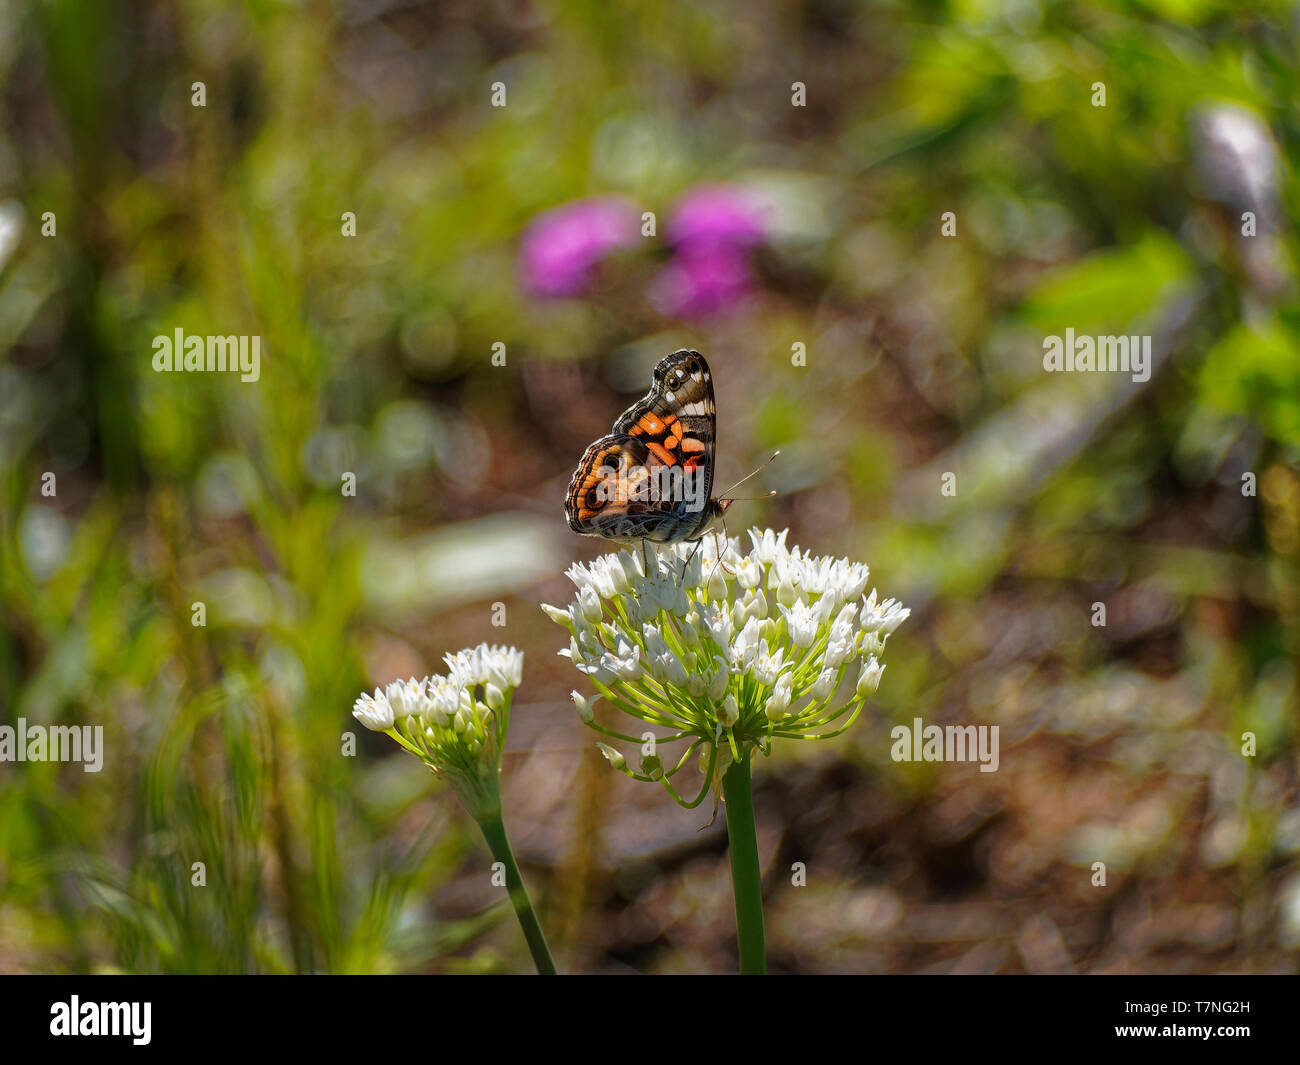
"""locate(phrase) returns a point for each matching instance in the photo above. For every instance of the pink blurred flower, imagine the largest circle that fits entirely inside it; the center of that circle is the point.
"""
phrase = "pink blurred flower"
(561, 246)
(716, 215)
(712, 229)
(701, 281)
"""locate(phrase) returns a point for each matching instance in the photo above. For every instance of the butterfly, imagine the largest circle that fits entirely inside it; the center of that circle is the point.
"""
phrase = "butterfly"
(652, 477)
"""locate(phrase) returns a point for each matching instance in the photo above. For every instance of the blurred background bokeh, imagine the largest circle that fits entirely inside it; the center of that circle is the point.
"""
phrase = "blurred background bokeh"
(774, 226)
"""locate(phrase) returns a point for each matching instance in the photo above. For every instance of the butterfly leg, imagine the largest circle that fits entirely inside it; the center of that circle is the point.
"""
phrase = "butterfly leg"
(681, 576)
(714, 819)
(721, 551)
(726, 539)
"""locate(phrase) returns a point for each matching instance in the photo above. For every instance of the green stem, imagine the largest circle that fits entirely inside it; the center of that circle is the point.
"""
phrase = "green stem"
(746, 884)
(494, 831)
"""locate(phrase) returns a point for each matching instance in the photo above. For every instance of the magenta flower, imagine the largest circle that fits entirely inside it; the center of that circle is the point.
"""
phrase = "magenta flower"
(712, 230)
(716, 215)
(702, 281)
(562, 246)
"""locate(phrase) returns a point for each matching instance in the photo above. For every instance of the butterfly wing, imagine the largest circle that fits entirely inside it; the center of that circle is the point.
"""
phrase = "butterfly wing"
(669, 432)
(677, 420)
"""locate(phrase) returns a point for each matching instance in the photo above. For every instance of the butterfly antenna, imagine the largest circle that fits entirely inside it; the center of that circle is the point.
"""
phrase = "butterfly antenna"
(766, 495)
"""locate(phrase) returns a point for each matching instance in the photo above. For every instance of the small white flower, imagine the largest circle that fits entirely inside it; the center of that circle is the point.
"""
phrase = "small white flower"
(589, 604)
(586, 707)
(842, 628)
(824, 685)
(853, 578)
(718, 681)
(718, 620)
(869, 678)
(670, 595)
(765, 666)
(444, 697)
(466, 667)
(885, 617)
(406, 698)
(631, 565)
(749, 573)
(619, 578)
(728, 712)
(692, 573)
(602, 579)
(580, 575)
(801, 621)
(871, 644)
(717, 585)
(778, 702)
(668, 668)
(598, 670)
(753, 604)
(505, 666)
(837, 653)
(691, 627)
(785, 591)
(768, 546)
(374, 711)
(745, 643)
(626, 663)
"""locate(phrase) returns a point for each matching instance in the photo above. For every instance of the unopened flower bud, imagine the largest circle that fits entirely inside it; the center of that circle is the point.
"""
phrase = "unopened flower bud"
(612, 756)
(785, 592)
(589, 603)
(824, 685)
(718, 682)
(586, 707)
(560, 617)
(869, 679)
(717, 585)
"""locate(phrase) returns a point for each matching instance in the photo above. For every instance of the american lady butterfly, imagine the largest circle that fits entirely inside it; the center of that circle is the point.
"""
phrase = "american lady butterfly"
(652, 478)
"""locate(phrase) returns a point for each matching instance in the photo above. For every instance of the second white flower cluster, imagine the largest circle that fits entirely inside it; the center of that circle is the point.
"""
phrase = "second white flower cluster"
(456, 722)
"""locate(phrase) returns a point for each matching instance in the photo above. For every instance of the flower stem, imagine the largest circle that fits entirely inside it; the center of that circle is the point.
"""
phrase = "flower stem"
(494, 831)
(746, 883)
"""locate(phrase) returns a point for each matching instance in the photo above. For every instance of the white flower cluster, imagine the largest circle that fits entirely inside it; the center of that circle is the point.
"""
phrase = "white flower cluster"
(730, 650)
(456, 724)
